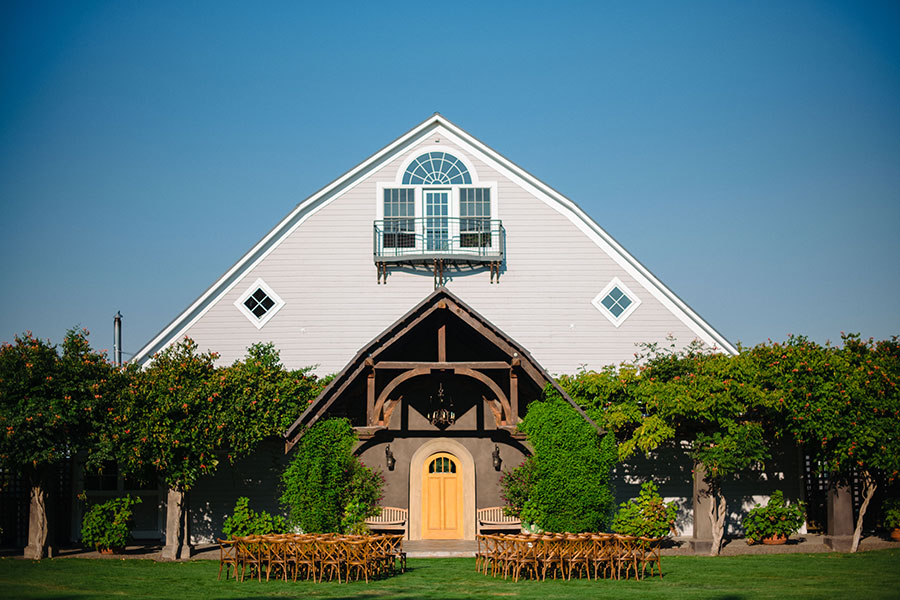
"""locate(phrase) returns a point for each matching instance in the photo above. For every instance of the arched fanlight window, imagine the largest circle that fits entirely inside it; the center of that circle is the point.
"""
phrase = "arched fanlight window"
(442, 464)
(436, 168)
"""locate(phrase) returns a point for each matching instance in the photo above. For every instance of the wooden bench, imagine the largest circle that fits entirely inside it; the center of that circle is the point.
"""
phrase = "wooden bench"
(390, 519)
(494, 518)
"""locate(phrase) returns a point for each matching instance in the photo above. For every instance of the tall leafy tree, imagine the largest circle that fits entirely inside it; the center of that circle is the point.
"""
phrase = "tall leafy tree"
(49, 407)
(711, 401)
(182, 415)
(841, 405)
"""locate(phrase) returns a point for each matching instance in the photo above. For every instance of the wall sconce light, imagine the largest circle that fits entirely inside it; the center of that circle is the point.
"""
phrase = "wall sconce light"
(389, 458)
(496, 457)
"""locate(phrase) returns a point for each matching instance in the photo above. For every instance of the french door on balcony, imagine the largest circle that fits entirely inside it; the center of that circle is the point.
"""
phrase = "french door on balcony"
(437, 222)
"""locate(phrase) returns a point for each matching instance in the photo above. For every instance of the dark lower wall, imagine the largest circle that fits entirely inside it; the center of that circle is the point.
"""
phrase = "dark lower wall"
(257, 477)
(671, 469)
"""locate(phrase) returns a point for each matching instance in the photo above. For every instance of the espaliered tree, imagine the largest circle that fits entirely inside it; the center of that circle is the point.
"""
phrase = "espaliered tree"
(49, 407)
(841, 405)
(182, 415)
(711, 401)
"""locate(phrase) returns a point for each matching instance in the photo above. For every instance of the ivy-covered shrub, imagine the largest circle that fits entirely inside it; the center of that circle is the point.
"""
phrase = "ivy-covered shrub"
(647, 515)
(566, 487)
(246, 521)
(775, 519)
(326, 488)
(108, 525)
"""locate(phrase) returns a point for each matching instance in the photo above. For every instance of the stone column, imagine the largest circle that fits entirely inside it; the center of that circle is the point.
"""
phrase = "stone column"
(839, 533)
(178, 537)
(701, 541)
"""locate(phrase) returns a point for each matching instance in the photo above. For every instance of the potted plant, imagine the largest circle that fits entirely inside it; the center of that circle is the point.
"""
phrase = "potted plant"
(773, 523)
(891, 510)
(107, 526)
(645, 516)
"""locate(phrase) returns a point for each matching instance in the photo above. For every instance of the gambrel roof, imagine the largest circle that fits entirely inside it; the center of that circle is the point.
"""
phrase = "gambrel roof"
(564, 206)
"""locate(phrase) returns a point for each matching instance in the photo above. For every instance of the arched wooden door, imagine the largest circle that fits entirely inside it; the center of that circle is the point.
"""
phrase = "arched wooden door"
(442, 498)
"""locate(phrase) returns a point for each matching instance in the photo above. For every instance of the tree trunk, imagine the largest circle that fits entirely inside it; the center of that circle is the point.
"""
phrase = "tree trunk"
(38, 524)
(717, 520)
(869, 491)
(178, 538)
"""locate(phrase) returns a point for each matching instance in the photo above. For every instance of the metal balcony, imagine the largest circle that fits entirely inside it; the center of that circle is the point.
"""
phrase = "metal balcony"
(453, 240)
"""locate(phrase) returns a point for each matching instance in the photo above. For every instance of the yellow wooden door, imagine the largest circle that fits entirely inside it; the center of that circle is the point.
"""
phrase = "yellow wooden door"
(442, 498)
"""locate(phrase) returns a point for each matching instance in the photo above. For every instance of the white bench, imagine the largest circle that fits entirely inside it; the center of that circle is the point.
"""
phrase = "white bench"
(390, 519)
(494, 518)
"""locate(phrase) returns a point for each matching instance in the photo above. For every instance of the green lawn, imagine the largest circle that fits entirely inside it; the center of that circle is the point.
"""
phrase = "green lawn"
(869, 575)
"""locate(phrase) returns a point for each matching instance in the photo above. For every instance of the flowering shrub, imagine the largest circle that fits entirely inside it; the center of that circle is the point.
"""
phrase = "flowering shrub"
(515, 487)
(246, 521)
(108, 525)
(647, 515)
(776, 518)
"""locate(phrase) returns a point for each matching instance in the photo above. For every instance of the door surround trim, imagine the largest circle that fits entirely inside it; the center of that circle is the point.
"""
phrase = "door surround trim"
(417, 465)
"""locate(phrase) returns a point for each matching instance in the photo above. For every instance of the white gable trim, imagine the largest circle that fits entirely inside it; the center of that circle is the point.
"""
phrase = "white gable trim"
(178, 326)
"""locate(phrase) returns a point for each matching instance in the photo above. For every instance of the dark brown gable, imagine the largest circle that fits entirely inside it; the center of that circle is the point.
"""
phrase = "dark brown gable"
(441, 336)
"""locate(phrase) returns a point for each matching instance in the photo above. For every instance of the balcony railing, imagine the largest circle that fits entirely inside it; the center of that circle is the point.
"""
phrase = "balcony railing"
(465, 239)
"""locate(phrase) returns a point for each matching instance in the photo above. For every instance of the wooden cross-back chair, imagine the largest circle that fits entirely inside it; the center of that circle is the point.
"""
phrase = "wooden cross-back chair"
(578, 554)
(252, 556)
(228, 557)
(331, 558)
(650, 554)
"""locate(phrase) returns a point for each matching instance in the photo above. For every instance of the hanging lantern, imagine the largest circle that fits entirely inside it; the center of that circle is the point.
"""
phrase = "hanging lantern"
(441, 414)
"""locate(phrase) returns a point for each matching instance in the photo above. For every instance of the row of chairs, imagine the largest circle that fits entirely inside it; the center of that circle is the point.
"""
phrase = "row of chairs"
(312, 556)
(587, 555)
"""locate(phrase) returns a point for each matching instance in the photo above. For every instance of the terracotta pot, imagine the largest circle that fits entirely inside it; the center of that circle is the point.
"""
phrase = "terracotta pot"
(775, 540)
(115, 550)
(895, 534)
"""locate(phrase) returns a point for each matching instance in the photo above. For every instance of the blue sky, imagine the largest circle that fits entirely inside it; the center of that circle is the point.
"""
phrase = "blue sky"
(747, 153)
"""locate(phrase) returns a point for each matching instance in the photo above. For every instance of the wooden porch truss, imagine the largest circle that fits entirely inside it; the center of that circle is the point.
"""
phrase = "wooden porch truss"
(383, 375)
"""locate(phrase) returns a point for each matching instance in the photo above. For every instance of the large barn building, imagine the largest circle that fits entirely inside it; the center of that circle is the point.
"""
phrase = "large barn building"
(435, 275)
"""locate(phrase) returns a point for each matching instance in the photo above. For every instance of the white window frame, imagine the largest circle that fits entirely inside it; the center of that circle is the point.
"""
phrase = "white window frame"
(598, 304)
(257, 321)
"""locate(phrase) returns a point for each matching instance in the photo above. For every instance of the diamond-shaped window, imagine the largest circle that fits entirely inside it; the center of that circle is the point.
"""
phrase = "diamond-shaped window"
(259, 303)
(616, 301)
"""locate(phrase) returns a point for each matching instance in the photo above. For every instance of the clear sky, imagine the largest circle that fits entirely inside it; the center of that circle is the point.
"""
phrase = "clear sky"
(748, 153)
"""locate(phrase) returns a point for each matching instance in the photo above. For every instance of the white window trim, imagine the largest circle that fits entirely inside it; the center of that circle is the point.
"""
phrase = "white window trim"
(419, 197)
(635, 301)
(259, 284)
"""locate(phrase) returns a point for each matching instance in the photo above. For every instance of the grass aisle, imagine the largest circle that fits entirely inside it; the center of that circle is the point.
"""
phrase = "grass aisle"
(870, 575)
